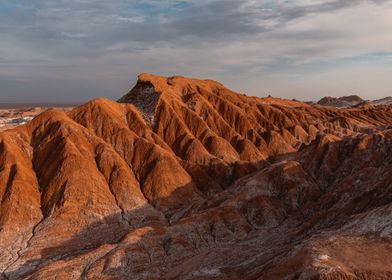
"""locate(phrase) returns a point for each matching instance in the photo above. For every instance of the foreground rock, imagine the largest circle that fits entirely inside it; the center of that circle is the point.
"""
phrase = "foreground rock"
(185, 179)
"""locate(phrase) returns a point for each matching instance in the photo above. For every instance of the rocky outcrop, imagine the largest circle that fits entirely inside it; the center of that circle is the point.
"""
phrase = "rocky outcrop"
(185, 179)
(344, 101)
(353, 101)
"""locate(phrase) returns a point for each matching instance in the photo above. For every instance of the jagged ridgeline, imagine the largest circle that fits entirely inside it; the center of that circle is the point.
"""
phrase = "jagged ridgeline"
(186, 179)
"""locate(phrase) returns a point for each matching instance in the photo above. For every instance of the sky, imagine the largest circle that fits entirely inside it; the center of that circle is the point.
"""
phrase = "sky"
(76, 50)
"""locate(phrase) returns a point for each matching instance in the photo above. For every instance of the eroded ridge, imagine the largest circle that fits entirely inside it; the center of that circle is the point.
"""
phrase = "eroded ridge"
(186, 179)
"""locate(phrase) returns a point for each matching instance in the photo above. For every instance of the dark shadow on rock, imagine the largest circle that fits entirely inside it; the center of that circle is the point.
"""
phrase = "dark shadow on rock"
(109, 230)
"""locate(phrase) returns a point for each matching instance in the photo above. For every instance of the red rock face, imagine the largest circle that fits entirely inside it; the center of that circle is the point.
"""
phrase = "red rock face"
(185, 179)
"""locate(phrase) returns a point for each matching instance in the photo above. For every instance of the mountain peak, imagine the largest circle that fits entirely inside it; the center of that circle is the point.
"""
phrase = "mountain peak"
(184, 178)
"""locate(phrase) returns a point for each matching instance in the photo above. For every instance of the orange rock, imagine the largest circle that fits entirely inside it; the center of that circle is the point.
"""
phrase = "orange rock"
(186, 179)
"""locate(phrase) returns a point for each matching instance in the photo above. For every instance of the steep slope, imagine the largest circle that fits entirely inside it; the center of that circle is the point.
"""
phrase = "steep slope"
(185, 179)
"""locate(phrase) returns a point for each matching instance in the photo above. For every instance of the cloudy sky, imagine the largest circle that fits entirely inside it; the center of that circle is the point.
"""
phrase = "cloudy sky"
(75, 50)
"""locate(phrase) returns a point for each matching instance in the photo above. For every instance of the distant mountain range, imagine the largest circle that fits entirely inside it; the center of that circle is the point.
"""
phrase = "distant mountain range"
(352, 101)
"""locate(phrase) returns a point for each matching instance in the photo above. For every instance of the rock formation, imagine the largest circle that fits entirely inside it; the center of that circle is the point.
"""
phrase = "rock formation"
(353, 101)
(186, 179)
